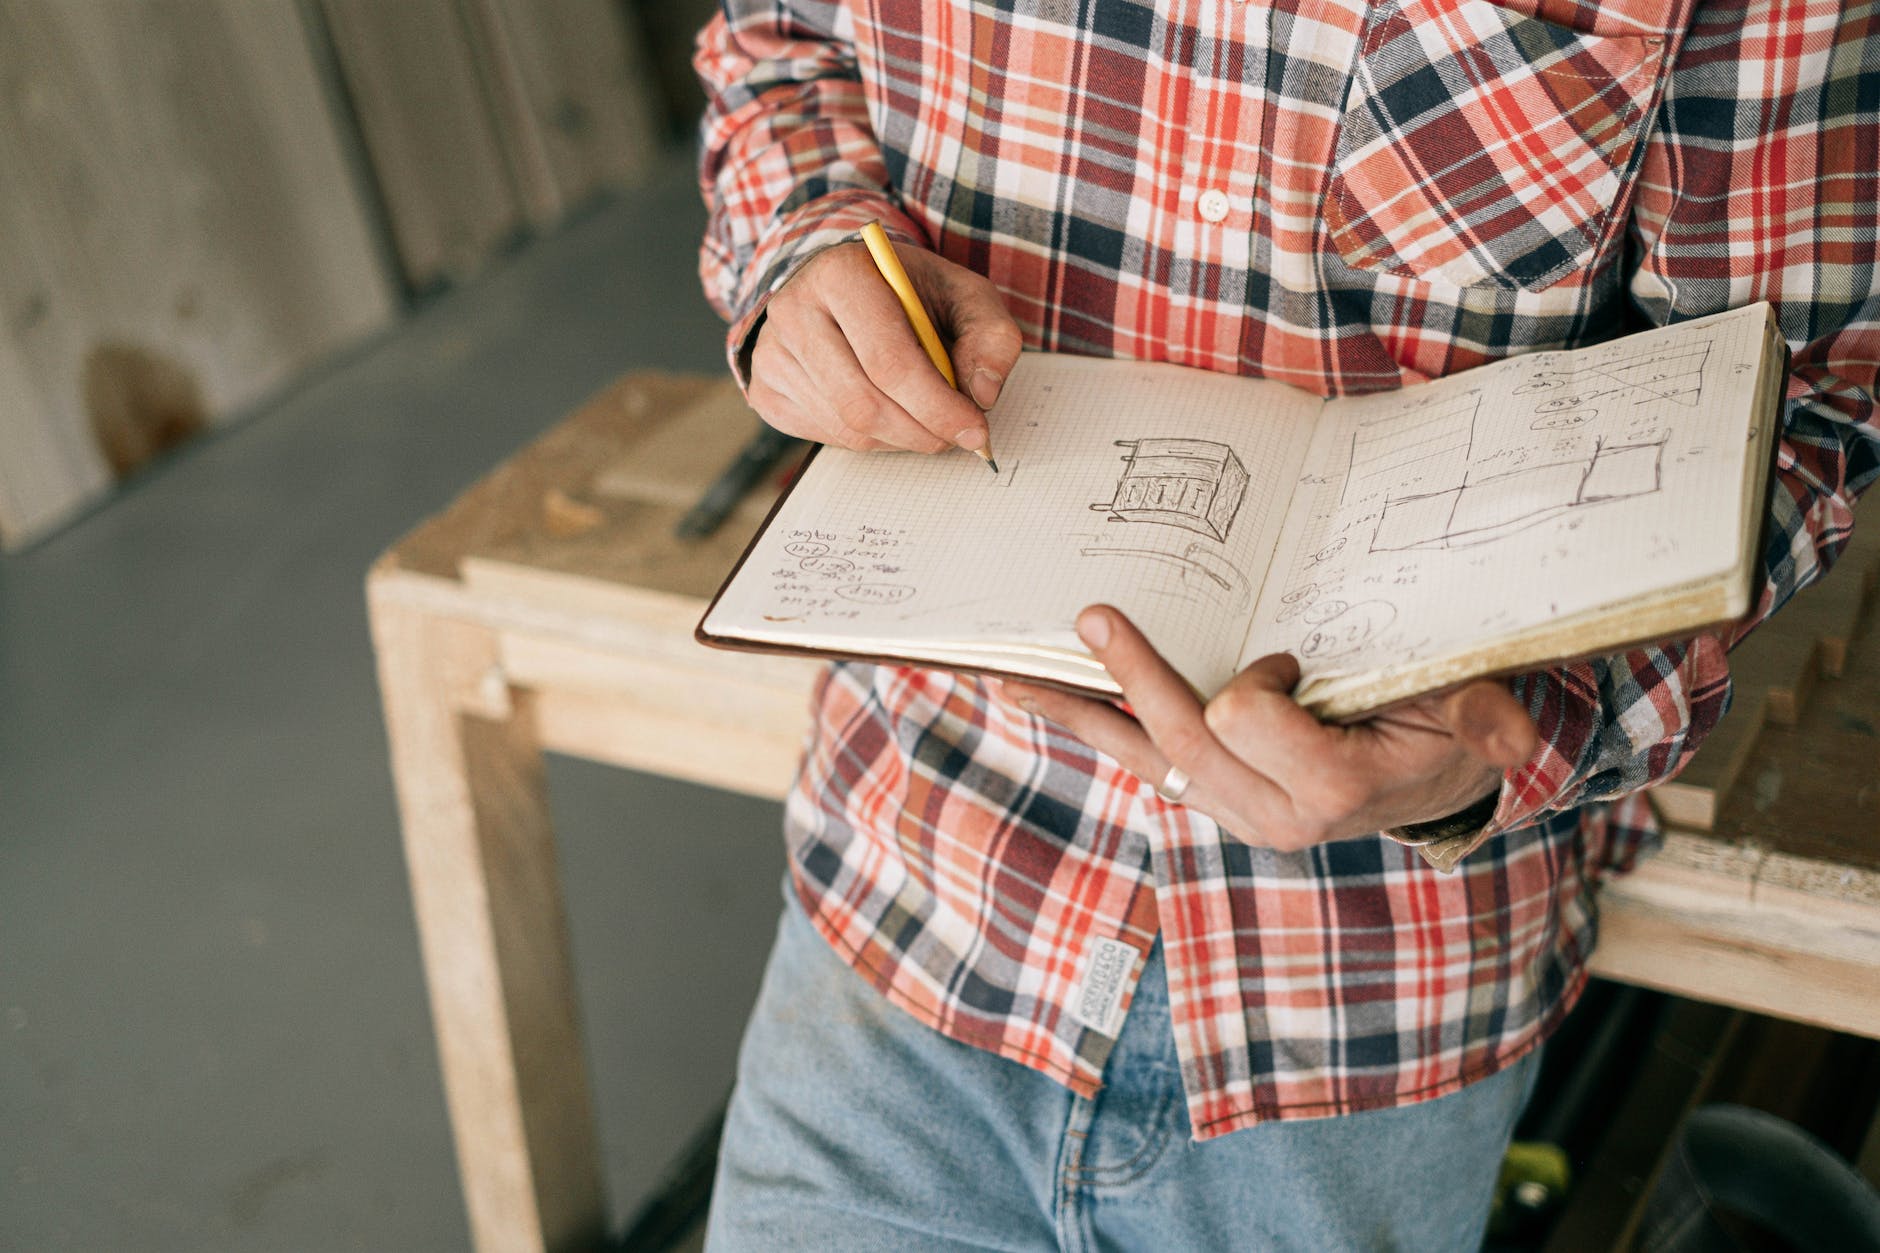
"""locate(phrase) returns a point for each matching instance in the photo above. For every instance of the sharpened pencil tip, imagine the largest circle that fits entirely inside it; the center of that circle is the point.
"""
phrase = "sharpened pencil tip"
(993, 464)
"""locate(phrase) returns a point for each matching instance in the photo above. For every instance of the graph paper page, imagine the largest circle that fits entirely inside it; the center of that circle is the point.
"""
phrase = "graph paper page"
(1155, 488)
(1503, 498)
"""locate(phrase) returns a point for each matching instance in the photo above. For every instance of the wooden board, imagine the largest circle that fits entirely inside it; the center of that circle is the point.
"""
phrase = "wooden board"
(410, 72)
(566, 83)
(179, 233)
(484, 118)
(513, 512)
(1774, 672)
(679, 461)
(1774, 908)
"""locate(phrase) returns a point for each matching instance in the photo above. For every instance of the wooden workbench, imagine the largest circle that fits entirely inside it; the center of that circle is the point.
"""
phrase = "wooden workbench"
(549, 608)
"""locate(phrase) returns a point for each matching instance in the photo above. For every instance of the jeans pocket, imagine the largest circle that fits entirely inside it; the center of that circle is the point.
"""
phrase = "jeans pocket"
(1480, 147)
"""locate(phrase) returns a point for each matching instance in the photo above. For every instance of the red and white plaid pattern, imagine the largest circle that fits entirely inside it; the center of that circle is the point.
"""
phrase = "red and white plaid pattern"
(1410, 188)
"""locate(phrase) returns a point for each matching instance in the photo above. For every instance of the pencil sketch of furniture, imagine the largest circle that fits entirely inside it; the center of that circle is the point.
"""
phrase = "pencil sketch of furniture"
(1502, 504)
(1197, 484)
(1198, 569)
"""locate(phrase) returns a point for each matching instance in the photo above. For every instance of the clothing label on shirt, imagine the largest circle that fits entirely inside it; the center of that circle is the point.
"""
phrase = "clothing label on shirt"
(1099, 1001)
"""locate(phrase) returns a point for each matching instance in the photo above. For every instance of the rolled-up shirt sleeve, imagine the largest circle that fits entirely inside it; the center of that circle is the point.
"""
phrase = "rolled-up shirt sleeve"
(789, 162)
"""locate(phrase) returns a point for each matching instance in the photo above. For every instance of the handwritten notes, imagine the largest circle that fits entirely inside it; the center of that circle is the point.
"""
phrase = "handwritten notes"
(834, 574)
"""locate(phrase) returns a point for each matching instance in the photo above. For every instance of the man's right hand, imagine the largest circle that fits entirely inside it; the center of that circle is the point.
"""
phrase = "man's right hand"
(836, 360)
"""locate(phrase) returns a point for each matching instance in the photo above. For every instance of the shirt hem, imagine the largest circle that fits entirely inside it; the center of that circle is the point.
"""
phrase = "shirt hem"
(1265, 1113)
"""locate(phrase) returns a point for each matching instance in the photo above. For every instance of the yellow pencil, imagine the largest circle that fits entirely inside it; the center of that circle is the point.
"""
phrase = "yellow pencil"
(890, 266)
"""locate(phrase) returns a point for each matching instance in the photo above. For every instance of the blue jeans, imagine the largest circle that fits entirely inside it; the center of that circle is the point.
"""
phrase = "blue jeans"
(853, 1126)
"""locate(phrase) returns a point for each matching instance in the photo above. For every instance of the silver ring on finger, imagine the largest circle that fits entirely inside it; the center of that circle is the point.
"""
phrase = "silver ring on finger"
(1174, 785)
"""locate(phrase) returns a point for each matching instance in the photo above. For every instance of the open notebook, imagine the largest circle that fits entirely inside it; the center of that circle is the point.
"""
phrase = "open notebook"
(1552, 505)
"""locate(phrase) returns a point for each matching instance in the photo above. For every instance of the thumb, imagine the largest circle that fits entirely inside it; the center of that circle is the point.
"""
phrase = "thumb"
(985, 340)
(1259, 699)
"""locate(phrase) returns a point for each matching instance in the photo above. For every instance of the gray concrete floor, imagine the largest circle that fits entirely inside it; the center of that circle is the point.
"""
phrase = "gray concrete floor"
(213, 1031)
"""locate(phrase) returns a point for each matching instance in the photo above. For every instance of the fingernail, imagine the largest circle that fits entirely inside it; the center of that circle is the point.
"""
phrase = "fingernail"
(1094, 629)
(970, 438)
(986, 386)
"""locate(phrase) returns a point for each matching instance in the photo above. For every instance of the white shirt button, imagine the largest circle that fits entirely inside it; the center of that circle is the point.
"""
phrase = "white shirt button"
(1213, 205)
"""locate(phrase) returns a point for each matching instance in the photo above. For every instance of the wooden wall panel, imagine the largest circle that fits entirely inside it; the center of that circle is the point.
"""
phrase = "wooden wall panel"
(410, 69)
(570, 90)
(484, 118)
(180, 231)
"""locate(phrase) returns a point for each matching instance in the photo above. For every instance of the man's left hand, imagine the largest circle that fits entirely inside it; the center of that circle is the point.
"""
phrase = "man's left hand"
(1269, 772)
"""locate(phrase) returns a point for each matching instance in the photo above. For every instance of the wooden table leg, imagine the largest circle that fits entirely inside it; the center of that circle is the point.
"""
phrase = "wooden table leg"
(478, 841)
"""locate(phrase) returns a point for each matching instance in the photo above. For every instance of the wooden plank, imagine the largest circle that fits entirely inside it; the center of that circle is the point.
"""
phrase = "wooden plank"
(510, 507)
(676, 463)
(715, 754)
(473, 807)
(727, 720)
(179, 233)
(1774, 672)
(410, 71)
(565, 81)
(1743, 926)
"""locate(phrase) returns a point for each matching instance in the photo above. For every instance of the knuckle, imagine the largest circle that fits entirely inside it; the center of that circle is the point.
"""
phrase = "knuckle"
(1185, 743)
(767, 357)
(1229, 710)
(770, 406)
(1295, 836)
(859, 412)
(787, 301)
(892, 372)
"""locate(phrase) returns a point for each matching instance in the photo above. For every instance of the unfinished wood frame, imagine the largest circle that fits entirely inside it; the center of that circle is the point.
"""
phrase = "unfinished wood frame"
(1790, 936)
(480, 850)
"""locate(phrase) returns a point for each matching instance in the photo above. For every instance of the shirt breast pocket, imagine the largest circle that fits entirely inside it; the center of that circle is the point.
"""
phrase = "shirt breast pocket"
(1480, 147)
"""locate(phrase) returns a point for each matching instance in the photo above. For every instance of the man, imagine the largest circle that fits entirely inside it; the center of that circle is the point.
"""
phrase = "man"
(1053, 974)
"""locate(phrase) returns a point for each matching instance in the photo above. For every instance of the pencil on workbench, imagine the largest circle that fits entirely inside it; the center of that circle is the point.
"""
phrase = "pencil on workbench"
(753, 461)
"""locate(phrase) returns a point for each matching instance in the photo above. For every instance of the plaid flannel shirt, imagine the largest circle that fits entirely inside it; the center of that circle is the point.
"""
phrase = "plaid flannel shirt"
(1347, 197)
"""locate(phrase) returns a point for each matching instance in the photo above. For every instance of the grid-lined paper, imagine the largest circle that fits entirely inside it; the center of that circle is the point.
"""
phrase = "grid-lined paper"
(1508, 498)
(1152, 487)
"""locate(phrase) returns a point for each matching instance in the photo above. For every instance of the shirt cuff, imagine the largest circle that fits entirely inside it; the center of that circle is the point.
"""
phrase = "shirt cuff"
(1444, 842)
(799, 238)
